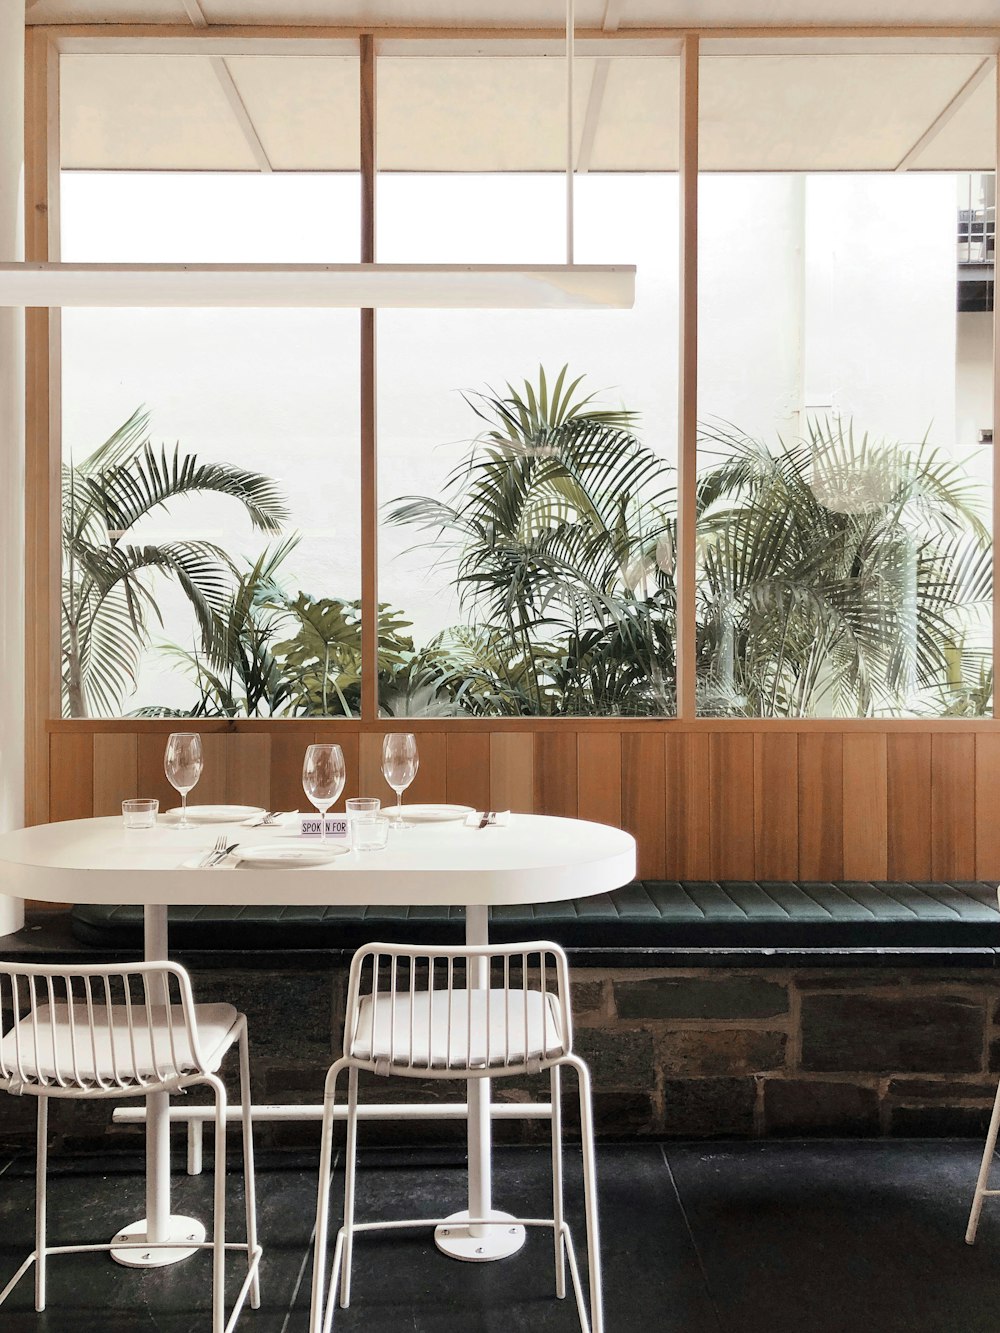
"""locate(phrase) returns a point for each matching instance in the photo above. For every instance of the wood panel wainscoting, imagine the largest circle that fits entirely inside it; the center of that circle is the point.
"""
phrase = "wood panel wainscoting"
(705, 800)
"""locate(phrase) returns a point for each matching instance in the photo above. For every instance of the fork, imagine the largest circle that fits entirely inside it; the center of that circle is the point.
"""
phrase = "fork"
(267, 819)
(216, 854)
(489, 817)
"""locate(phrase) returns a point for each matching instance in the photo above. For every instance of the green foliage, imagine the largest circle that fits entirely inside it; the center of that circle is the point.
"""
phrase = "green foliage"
(235, 670)
(107, 589)
(323, 660)
(836, 575)
(559, 532)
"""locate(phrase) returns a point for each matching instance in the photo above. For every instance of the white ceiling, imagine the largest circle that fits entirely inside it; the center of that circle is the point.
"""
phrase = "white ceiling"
(795, 111)
(521, 13)
(792, 105)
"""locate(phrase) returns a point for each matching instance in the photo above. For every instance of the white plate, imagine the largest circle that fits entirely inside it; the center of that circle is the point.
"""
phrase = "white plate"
(430, 814)
(218, 814)
(275, 856)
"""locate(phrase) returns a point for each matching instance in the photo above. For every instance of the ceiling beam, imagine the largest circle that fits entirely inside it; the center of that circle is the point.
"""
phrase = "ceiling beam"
(195, 13)
(946, 115)
(975, 38)
(613, 12)
(239, 110)
(231, 93)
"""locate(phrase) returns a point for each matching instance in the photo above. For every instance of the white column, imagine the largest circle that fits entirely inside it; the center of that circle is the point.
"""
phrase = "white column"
(11, 446)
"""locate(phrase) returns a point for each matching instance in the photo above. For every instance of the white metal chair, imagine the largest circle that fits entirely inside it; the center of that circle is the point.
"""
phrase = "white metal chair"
(455, 1014)
(98, 1032)
(982, 1192)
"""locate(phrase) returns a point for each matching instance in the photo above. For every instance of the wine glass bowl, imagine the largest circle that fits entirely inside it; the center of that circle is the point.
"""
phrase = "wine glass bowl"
(182, 763)
(323, 778)
(399, 767)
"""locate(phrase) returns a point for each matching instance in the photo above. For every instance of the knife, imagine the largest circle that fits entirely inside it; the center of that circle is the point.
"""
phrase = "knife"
(218, 857)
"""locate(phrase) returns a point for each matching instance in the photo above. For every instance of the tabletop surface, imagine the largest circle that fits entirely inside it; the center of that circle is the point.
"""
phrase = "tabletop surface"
(534, 858)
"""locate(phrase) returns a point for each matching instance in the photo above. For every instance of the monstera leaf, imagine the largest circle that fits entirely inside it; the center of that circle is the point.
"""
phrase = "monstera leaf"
(324, 657)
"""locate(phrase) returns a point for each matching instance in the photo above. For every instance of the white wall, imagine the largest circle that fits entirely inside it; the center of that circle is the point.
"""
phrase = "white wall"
(881, 302)
(751, 252)
(11, 448)
(974, 389)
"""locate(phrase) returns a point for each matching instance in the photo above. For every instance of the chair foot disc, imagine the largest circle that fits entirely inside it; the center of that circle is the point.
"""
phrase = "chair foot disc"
(453, 1239)
(186, 1231)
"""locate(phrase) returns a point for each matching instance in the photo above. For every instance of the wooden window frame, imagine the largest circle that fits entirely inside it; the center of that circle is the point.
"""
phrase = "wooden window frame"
(43, 47)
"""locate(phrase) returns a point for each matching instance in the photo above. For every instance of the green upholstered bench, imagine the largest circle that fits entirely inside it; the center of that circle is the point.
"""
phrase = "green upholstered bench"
(643, 916)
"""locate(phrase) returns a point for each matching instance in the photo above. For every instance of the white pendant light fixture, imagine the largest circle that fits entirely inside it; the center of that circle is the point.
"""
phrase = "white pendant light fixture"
(378, 286)
(368, 286)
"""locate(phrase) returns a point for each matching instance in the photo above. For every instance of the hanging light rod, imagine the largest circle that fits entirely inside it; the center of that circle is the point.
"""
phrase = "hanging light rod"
(567, 286)
(373, 286)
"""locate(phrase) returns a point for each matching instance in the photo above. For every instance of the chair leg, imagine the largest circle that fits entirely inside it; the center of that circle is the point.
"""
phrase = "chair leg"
(350, 1168)
(984, 1172)
(249, 1176)
(316, 1307)
(590, 1194)
(219, 1224)
(194, 1146)
(41, 1198)
(555, 1097)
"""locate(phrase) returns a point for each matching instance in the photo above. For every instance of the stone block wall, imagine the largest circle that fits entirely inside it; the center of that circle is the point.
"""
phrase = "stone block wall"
(690, 1053)
(759, 1053)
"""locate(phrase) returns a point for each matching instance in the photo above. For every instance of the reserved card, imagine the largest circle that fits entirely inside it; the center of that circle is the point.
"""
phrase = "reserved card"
(336, 826)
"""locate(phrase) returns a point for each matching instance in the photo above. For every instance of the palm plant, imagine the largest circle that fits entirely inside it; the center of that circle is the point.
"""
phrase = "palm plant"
(107, 594)
(835, 573)
(559, 530)
(235, 669)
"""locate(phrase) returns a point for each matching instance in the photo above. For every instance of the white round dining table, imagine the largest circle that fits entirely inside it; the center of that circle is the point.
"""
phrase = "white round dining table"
(529, 859)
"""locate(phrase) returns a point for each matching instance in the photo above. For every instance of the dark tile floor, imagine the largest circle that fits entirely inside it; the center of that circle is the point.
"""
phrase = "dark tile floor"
(829, 1237)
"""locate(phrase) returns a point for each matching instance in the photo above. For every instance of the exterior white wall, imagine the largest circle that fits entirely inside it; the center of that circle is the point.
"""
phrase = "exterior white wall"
(829, 293)
(880, 321)
(751, 253)
(11, 448)
(974, 390)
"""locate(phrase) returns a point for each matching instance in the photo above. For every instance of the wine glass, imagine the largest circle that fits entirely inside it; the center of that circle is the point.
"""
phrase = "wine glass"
(399, 768)
(323, 777)
(182, 763)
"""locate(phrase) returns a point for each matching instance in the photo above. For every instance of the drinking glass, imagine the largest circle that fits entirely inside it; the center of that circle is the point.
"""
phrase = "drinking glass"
(182, 763)
(140, 813)
(323, 777)
(399, 768)
(369, 832)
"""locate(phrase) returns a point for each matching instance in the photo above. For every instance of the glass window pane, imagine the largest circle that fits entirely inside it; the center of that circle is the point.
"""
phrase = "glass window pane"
(224, 597)
(167, 159)
(218, 570)
(527, 534)
(845, 376)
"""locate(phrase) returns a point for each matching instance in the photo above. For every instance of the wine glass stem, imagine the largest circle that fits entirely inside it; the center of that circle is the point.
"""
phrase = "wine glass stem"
(322, 825)
(399, 805)
(184, 809)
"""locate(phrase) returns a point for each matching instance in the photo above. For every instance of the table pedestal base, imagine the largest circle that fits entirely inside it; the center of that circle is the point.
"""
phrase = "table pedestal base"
(453, 1239)
(179, 1229)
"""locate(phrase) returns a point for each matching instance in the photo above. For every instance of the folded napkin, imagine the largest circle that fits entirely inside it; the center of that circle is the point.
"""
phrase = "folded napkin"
(498, 819)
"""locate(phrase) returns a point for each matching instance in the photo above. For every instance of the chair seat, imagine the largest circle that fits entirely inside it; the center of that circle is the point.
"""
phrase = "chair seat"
(422, 1030)
(109, 1055)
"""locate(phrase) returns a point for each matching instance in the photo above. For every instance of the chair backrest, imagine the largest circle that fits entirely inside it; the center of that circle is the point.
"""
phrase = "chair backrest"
(96, 1030)
(458, 1012)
